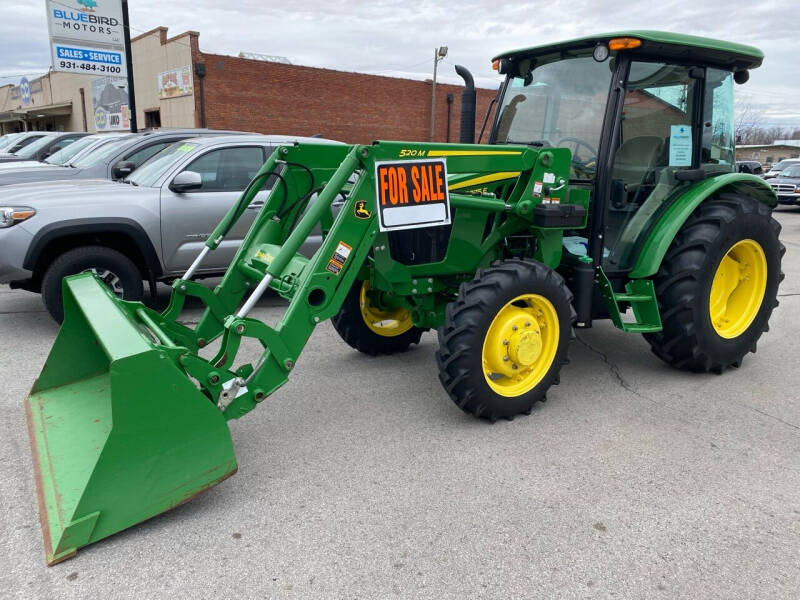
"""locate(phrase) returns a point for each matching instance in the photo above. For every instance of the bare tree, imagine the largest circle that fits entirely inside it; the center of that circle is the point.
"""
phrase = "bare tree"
(748, 127)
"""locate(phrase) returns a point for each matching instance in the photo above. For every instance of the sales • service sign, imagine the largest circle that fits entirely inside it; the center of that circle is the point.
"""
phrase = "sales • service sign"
(412, 194)
(86, 36)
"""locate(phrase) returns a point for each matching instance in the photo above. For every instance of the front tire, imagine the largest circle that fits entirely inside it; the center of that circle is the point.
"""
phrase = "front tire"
(718, 284)
(505, 339)
(369, 328)
(115, 269)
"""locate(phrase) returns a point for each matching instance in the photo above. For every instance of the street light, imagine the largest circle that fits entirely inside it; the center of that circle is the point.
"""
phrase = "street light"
(438, 54)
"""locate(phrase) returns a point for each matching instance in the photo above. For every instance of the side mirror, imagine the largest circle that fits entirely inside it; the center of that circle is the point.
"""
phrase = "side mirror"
(186, 181)
(122, 169)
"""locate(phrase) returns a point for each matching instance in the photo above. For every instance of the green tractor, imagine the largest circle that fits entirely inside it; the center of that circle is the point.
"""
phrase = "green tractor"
(607, 191)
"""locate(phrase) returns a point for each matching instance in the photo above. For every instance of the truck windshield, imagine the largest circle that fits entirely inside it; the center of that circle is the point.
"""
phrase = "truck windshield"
(101, 154)
(559, 104)
(8, 140)
(67, 152)
(32, 148)
(152, 170)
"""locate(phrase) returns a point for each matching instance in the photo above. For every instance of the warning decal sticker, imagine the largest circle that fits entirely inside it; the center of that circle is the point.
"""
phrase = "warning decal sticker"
(342, 252)
(340, 256)
(412, 194)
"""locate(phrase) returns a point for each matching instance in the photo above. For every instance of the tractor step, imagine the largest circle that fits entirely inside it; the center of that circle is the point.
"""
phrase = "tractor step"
(641, 296)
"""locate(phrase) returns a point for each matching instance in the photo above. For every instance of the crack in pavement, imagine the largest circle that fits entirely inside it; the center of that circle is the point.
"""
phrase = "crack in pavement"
(20, 312)
(766, 414)
(614, 369)
(787, 295)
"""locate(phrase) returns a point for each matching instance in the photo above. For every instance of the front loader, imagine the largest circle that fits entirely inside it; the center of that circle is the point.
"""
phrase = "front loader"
(607, 191)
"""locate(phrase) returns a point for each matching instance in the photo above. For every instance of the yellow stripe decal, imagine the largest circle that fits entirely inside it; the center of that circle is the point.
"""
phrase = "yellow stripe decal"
(483, 179)
(474, 153)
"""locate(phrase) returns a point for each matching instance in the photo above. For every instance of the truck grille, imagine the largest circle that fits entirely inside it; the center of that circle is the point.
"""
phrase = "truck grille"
(783, 188)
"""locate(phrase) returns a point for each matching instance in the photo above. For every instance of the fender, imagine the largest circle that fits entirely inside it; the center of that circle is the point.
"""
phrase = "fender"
(53, 231)
(667, 227)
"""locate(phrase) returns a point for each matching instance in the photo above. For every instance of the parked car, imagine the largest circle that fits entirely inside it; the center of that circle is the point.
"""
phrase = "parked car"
(749, 166)
(66, 155)
(787, 185)
(776, 169)
(43, 147)
(111, 161)
(149, 226)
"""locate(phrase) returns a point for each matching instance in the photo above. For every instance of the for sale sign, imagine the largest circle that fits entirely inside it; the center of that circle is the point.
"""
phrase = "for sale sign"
(86, 36)
(412, 194)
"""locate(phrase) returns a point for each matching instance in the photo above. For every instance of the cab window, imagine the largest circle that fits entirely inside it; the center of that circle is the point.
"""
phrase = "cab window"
(718, 138)
(228, 169)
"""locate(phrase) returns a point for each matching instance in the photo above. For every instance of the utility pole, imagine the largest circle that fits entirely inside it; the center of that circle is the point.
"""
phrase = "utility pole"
(129, 65)
(438, 54)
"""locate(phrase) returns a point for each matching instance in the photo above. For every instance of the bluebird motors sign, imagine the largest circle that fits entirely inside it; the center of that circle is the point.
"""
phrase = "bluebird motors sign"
(86, 36)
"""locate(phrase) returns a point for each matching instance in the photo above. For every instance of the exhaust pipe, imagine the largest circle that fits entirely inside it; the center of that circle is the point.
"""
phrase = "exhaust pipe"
(468, 99)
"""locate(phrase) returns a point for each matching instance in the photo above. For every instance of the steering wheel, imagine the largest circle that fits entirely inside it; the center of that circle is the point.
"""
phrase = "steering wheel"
(578, 143)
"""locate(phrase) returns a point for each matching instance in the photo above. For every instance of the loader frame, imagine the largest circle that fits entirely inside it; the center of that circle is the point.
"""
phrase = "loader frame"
(269, 257)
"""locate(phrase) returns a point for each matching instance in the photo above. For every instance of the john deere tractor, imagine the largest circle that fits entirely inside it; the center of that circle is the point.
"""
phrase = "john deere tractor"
(607, 191)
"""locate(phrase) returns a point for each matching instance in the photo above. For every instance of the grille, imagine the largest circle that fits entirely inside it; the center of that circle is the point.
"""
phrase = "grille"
(783, 188)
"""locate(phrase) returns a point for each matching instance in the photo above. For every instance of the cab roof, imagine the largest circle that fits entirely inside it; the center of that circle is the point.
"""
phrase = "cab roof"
(726, 55)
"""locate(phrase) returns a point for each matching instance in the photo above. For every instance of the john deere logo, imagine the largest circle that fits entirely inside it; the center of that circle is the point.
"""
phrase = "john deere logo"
(362, 212)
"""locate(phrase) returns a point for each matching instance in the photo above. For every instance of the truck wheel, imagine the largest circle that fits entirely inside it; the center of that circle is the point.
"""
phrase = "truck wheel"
(718, 284)
(115, 269)
(505, 339)
(371, 330)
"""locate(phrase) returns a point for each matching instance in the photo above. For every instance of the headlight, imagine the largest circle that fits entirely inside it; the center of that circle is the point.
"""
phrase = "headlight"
(11, 215)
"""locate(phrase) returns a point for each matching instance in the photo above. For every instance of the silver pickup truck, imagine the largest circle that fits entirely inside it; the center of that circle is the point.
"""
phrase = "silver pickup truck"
(147, 227)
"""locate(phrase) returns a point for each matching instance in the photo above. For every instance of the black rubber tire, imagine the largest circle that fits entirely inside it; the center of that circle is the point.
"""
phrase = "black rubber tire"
(350, 325)
(81, 259)
(467, 319)
(683, 283)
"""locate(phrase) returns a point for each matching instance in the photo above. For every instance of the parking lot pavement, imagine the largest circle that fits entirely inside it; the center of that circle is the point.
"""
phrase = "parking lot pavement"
(360, 479)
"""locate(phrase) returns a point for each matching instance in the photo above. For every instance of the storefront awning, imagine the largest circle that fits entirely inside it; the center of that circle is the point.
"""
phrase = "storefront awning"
(10, 116)
(50, 110)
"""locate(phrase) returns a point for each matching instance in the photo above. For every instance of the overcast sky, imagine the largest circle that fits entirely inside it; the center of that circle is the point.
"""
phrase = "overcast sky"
(393, 38)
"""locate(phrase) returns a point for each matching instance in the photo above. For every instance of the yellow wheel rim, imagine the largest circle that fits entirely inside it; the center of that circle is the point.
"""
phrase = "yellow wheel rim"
(520, 345)
(738, 288)
(387, 323)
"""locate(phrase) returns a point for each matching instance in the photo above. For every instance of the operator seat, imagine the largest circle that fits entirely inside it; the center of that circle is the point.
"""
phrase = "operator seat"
(635, 158)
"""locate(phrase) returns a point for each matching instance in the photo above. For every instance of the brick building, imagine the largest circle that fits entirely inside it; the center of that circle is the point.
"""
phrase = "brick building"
(178, 85)
(268, 97)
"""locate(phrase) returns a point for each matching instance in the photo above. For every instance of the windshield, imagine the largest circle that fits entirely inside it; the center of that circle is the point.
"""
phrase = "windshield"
(7, 140)
(782, 165)
(558, 104)
(793, 171)
(98, 155)
(70, 150)
(152, 170)
(32, 148)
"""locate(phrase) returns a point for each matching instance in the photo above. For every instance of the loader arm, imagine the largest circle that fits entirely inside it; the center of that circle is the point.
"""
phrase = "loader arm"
(316, 287)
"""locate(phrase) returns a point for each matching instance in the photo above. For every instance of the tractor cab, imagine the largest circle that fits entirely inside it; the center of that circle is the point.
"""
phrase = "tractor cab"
(645, 114)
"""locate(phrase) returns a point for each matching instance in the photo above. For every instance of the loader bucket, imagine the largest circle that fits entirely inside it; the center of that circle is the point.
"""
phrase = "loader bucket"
(118, 432)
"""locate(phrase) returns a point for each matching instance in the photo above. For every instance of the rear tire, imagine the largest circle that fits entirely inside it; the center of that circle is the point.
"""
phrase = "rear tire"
(505, 339)
(116, 269)
(697, 334)
(351, 325)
